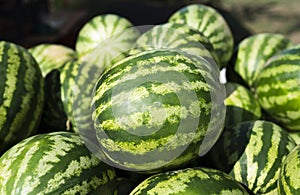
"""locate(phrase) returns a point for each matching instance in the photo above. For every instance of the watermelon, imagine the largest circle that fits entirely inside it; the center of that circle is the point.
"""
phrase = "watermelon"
(277, 88)
(112, 32)
(51, 56)
(211, 24)
(254, 51)
(176, 36)
(21, 94)
(157, 109)
(289, 177)
(190, 181)
(53, 163)
(296, 136)
(252, 153)
(241, 105)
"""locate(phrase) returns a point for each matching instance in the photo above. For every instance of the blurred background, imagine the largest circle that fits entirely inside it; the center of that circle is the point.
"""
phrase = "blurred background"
(30, 22)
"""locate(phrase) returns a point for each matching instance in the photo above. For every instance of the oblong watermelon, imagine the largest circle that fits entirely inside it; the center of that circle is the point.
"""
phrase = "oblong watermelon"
(54, 163)
(158, 109)
(190, 181)
(21, 94)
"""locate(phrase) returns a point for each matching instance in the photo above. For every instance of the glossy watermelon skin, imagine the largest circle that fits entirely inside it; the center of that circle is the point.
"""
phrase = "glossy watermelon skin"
(190, 181)
(252, 153)
(178, 37)
(149, 101)
(289, 177)
(277, 88)
(211, 24)
(54, 163)
(21, 94)
(254, 51)
(241, 105)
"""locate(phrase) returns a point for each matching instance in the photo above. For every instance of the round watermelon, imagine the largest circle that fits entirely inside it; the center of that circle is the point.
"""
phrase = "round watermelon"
(277, 88)
(211, 24)
(157, 109)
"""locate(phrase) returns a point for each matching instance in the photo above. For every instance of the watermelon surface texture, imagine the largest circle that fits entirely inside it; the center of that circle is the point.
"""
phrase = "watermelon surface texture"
(54, 163)
(21, 94)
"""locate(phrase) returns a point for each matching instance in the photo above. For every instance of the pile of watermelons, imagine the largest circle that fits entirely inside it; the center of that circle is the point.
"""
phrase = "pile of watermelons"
(145, 110)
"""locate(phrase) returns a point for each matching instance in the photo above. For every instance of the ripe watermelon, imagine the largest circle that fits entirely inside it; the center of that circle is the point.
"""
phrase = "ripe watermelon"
(252, 153)
(241, 105)
(278, 88)
(54, 163)
(211, 24)
(289, 177)
(158, 109)
(21, 94)
(253, 53)
(198, 180)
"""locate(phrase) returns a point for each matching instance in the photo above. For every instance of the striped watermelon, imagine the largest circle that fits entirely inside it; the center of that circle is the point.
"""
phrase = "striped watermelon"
(51, 56)
(54, 163)
(211, 24)
(176, 36)
(252, 153)
(241, 105)
(201, 181)
(21, 94)
(289, 177)
(254, 51)
(109, 34)
(157, 109)
(278, 87)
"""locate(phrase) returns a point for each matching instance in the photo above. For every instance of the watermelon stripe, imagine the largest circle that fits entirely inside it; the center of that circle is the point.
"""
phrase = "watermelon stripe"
(22, 94)
(52, 163)
(258, 167)
(211, 24)
(254, 51)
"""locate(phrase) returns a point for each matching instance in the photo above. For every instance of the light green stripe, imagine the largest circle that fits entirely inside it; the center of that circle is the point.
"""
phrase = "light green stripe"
(278, 70)
(75, 168)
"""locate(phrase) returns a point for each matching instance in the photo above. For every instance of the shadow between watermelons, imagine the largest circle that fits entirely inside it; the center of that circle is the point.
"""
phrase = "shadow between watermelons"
(229, 147)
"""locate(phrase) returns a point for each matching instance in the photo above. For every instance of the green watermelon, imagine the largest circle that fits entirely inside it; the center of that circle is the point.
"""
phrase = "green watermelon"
(109, 34)
(157, 109)
(211, 24)
(53, 163)
(241, 105)
(278, 88)
(289, 177)
(179, 37)
(254, 51)
(51, 56)
(252, 152)
(190, 181)
(21, 94)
